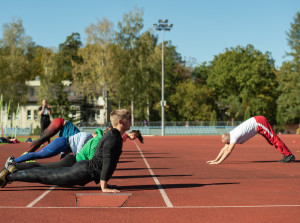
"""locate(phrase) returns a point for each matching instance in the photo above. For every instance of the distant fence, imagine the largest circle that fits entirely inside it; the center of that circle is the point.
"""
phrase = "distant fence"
(15, 131)
(189, 123)
(152, 128)
(174, 130)
(184, 130)
(187, 127)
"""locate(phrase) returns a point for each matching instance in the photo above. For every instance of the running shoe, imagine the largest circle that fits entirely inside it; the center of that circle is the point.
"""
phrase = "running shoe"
(287, 159)
(283, 159)
(4, 172)
(12, 168)
(9, 161)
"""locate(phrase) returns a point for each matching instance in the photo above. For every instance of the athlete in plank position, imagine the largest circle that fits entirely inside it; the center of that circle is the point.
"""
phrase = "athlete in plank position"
(84, 153)
(99, 169)
(70, 144)
(245, 131)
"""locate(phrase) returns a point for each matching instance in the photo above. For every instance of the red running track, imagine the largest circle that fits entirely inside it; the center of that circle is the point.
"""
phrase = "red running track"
(166, 179)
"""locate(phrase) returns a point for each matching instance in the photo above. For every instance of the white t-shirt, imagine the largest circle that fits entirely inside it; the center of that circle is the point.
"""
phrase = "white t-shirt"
(78, 140)
(244, 131)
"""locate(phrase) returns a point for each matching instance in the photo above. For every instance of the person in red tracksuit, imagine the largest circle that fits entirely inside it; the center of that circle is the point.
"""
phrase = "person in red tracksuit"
(245, 131)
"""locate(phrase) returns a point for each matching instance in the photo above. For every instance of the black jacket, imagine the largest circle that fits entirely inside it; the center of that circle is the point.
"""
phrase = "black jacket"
(106, 157)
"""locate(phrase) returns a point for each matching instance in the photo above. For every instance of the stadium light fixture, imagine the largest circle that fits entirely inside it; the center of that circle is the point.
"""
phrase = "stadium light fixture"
(162, 26)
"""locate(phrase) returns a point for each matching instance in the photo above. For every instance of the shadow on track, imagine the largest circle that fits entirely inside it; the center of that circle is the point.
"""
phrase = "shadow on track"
(148, 157)
(273, 161)
(145, 176)
(142, 168)
(168, 186)
(122, 188)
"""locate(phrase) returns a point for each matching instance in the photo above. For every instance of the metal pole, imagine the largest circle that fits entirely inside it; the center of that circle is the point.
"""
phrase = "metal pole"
(162, 26)
(162, 89)
(132, 116)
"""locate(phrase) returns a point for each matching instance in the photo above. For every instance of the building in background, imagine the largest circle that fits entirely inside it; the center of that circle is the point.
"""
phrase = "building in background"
(28, 117)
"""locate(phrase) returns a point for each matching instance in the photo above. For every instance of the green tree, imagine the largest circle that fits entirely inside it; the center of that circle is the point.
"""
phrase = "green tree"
(148, 76)
(200, 73)
(293, 38)
(17, 52)
(175, 72)
(57, 77)
(213, 118)
(129, 31)
(67, 56)
(245, 76)
(52, 87)
(289, 79)
(192, 101)
(247, 114)
(98, 60)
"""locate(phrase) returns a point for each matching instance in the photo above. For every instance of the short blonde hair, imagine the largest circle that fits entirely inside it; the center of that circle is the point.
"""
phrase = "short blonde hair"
(117, 115)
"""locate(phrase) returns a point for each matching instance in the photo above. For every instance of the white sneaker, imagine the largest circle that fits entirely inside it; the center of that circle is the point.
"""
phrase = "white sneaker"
(9, 161)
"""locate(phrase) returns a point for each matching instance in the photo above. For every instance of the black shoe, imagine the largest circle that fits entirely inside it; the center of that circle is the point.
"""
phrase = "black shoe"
(9, 161)
(4, 172)
(283, 159)
(287, 159)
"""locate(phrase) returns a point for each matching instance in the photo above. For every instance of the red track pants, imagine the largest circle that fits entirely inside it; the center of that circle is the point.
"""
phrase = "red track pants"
(55, 126)
(266, 131)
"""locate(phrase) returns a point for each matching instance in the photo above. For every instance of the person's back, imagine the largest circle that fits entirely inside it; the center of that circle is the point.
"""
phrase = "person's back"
(68, 130)
(107, 155)
(244, 131)
(78, 140)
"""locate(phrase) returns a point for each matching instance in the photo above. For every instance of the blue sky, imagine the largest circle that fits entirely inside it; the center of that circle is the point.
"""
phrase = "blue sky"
(201, 29)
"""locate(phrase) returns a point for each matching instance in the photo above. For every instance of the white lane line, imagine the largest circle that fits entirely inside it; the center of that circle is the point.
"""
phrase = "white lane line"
(178, 207)
(40, 197)
(161, 190)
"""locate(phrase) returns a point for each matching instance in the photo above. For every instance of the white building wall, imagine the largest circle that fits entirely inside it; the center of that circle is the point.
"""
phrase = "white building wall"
(27, 118)
(28, 115)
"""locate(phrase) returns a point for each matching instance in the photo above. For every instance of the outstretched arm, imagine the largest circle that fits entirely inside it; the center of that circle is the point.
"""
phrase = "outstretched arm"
(223, 154)
(219, 155)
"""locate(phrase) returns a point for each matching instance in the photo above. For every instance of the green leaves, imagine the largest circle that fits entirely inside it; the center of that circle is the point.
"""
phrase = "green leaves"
(243, 77)
(16, 59)
(192, 101)
(289, 79)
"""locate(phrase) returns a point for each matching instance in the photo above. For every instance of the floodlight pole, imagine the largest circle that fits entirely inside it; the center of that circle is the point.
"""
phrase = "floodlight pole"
(162, 26)
(162, 87)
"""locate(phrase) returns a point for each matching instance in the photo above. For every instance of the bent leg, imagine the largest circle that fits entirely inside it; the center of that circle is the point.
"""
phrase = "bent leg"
(78, 174)
(55, 126)
(67, 161)
(57, 146)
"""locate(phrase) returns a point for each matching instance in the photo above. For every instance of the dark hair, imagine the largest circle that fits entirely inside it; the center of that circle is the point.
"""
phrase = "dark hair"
(138, 135)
